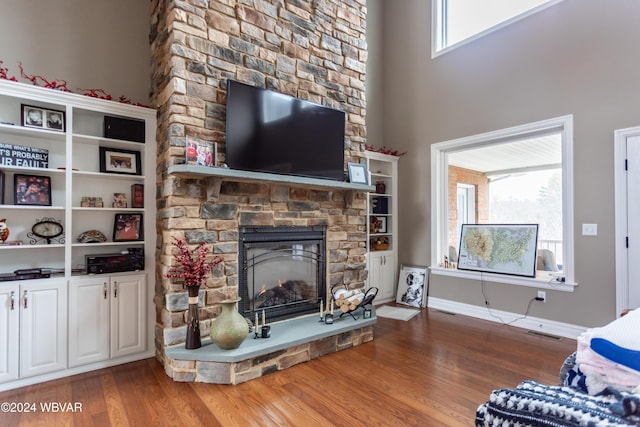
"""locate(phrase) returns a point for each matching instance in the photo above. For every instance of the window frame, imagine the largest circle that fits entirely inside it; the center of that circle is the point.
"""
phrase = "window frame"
(439, 200)
(439, 26)
(470, 204)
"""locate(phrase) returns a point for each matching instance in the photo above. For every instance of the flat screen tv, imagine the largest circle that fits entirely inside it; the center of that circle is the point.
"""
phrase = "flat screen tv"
(271, 132)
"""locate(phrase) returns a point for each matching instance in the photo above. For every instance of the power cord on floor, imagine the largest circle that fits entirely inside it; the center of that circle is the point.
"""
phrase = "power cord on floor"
(488, 306)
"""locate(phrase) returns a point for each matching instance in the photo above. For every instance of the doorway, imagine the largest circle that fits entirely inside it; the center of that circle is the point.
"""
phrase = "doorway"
(627, 224)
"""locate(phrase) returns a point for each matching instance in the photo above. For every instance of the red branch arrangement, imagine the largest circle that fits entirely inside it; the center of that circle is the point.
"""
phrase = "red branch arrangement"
(384, 150)
(193, 271)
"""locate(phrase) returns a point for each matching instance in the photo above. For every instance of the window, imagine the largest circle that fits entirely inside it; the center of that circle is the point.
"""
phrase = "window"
(455, 22)
(466, 206)
(517, 175)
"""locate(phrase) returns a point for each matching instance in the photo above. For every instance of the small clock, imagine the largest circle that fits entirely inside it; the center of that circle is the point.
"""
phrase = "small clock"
(47, 228)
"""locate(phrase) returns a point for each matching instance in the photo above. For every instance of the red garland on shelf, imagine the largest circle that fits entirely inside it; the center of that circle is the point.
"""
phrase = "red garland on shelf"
(62, 86)
(55, 84)
(124, 100)
(96, 93)
(384, 150)
(3, 74)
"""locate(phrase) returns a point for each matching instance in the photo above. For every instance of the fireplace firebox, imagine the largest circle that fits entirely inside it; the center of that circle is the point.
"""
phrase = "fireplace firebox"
(282, 271)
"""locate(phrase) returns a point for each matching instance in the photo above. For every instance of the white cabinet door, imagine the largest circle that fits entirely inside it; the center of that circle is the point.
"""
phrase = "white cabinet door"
(88, 321)
(382, 275)
(387, 277)
(43, 327)
(128, 315)
(9, 332)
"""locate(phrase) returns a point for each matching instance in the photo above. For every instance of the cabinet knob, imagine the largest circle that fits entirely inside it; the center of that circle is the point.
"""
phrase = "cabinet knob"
(104, 290)
(25, 299)
(13, 300)
(115, 289)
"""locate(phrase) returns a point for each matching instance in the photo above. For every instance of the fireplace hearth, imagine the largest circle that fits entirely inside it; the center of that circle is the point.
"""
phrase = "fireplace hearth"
(282, 271)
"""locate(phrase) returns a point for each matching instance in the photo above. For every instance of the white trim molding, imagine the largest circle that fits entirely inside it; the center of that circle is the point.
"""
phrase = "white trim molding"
(439, 28)
(621, 220)
(439, 182)
(548, 327)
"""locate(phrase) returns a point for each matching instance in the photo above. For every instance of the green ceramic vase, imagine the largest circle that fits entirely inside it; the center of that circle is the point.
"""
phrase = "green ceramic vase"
(229, 329)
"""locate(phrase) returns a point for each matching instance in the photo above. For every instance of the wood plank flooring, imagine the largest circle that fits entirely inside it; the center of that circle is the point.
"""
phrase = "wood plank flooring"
(433, 370)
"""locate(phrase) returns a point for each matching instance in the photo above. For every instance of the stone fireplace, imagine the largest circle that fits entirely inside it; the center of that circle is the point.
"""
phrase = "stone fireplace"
(313, 50)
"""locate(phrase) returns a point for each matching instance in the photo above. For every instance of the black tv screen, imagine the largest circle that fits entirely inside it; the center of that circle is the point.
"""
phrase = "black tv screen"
(271, 132)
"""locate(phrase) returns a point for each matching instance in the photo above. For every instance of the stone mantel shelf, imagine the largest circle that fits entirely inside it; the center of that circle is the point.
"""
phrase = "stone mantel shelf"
(216, 175)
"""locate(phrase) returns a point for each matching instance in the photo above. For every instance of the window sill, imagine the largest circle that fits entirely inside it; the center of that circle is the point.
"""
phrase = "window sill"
(544, 280)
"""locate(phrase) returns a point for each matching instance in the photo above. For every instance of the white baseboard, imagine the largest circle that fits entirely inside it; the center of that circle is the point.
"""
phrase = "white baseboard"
(545, 326)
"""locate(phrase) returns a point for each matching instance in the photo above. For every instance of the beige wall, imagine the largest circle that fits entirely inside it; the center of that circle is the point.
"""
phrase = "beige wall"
(374, 78)
(579, 57)
(88, 43)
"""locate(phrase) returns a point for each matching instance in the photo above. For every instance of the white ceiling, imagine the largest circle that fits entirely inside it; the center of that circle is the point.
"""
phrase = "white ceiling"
(542, 152)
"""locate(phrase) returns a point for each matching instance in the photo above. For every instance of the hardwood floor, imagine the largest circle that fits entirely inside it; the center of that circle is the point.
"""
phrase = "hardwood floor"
(433, 370)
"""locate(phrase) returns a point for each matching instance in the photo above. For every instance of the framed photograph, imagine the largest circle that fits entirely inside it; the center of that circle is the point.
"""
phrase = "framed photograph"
(358, 173)
(382, 224)
(497, 248)
(201, 153)
(119, 200)
(91, 202)
(54, 120)
(120, 161)
(32, 190)
(42, 118)
(412, 285)
(128, 227)
(32, 117)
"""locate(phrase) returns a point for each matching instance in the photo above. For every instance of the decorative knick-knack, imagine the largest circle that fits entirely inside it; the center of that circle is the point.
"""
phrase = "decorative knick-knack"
(229, 329)
(193, 270)
(381, 187)
(4, 230)
(193, 340)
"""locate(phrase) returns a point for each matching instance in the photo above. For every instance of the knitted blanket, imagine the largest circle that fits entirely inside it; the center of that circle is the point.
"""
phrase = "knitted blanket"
(535, 404)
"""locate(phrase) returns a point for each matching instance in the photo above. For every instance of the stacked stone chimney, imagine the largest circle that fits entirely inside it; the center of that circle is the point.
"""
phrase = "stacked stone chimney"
(310, 49)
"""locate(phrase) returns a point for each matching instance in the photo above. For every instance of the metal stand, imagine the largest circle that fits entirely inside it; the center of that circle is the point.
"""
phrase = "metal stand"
(368, 298)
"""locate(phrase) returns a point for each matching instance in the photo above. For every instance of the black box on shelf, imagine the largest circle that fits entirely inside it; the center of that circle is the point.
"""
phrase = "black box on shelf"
(380, 205)
(131, 259)
(126, 129)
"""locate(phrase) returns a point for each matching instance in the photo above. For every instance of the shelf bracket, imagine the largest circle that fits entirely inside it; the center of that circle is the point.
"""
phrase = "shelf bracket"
(213, 184)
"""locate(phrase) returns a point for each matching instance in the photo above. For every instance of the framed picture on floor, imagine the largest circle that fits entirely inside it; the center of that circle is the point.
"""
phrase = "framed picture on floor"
(412, 285)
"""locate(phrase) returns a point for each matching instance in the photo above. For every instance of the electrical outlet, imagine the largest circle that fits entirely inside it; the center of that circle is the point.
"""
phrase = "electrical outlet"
(542, 296)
